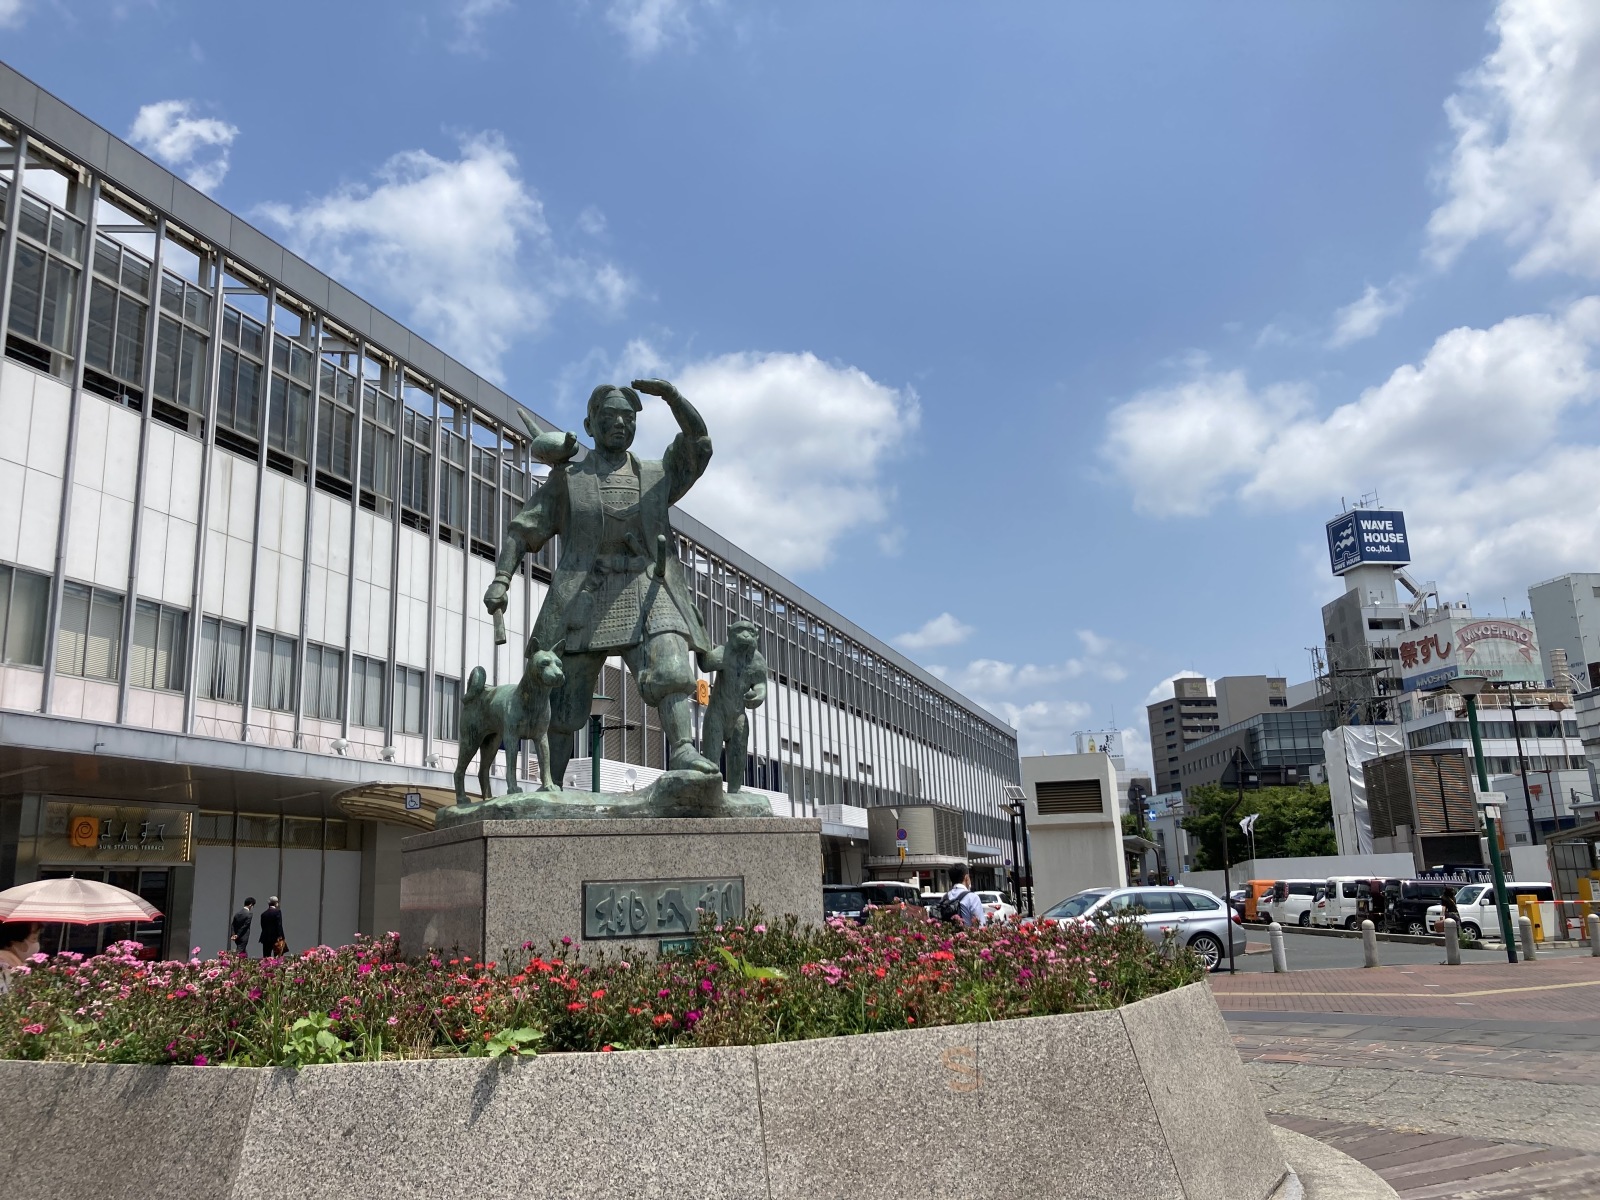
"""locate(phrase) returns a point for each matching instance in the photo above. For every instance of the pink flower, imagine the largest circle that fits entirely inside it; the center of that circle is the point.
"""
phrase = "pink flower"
(364, 969)
(33, 1029)
(255, 994)
(200, 1060)
(394, 1020)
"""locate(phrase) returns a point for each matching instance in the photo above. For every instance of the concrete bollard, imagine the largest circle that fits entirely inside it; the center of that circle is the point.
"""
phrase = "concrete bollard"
(1369, 945)
(1594, 935)
(1452, 943)
(1525, 932)
(1280, 960)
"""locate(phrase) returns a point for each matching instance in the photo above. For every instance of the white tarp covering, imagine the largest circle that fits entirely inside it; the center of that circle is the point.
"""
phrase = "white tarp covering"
(1346, 749)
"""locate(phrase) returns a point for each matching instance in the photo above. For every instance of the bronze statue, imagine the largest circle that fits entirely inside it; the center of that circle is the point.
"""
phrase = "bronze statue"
(618, 588)
(507, 716)
(741, 683)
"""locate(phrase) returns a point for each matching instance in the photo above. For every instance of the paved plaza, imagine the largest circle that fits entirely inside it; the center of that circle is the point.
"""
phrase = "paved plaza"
(1479, 1081)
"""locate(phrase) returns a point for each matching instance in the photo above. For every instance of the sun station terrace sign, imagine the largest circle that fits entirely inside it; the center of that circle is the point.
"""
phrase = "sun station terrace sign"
(1366, 536)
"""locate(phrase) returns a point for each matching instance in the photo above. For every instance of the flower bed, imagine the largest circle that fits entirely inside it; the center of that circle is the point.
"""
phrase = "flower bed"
(741, 985)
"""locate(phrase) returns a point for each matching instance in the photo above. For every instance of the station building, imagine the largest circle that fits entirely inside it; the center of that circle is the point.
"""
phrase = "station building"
(246, 520)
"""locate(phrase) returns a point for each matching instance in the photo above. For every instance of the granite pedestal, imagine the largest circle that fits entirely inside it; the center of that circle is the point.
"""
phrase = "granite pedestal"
(487, 887)
(1147, 1102)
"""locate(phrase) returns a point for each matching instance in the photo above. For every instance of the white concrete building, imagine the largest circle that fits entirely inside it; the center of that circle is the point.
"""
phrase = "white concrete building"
(1074, 825)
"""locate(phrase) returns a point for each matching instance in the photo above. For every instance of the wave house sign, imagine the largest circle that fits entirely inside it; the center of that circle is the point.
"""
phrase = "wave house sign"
(1366, 536)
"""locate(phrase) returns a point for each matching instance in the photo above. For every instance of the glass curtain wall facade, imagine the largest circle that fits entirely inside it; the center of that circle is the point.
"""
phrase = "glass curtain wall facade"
(253, 507)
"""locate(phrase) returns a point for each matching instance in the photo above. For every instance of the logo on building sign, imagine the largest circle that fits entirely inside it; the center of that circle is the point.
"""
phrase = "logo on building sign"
(1367, 535)
(84, 833)
(1468, 638)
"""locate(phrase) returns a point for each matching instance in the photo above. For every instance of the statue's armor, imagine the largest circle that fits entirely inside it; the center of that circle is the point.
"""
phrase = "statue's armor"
(621, 601)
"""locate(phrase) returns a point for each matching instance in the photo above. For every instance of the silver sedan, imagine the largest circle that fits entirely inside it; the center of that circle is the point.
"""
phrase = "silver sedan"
(1200, 920)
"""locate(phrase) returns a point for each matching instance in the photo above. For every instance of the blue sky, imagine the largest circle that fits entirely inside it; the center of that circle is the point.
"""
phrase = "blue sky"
(1046, 334)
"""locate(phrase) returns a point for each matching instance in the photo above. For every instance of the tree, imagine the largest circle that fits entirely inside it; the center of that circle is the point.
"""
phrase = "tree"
(1296, 822)
(1130, 825)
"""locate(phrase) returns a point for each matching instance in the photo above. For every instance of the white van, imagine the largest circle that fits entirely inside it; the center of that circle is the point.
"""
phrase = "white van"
(1292, 901)
(1479, 916)
(1340, 908)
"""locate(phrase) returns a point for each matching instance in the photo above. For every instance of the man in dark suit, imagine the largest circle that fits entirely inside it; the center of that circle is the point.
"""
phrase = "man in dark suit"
(272, 929)
(240, 939)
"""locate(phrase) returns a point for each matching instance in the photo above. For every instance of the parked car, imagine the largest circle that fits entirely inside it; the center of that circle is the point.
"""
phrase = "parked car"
(1341, 906)
(882, 892)
(1236, 901)
(1479, 916)
(843, 900)
(1406, 903)
(996, 907)
(1202, 922)
(1291, 901)
(1255, 892)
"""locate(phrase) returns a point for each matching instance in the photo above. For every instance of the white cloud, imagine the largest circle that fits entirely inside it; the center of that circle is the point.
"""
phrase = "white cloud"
(1526, 161)
(802, 446)
(1030, 695)
(1163, 690)
(13, 13)
(168, 131)
(1363, 317)
(1471, 441)
(470, 17)
(649, 26)
(943, 630)
(1180, 447)
(460, 246)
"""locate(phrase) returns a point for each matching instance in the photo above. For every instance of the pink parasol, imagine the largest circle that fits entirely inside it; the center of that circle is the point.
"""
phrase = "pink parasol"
(73, 902)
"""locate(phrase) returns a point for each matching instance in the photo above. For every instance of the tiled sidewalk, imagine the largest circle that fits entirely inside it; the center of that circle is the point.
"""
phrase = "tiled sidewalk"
(1558, 989)
(1453, 1083)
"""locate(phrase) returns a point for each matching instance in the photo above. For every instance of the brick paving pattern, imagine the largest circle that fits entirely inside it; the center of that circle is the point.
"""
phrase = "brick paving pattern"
(1433, 1166)
(1477, 1082)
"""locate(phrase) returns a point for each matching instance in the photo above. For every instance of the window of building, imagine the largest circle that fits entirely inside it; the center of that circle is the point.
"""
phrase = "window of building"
(408, 701)
(273, 685)
(380, 413)
(183, 335)
(160, 642)
(324, 691)
(416, 457)
(241, 369)
(446, 708)
(366, 691)
(289, 410)
(452, 469)
(119, 310)
(484, 488)
(336, 423)
(90, 641)
(221, 675)
(48, 259)
(24, 605)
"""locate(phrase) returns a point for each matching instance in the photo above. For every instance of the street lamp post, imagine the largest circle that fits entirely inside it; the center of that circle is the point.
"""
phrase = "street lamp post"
(1522, 768)
(598, 704)
(1241, 760)
(1468, 687)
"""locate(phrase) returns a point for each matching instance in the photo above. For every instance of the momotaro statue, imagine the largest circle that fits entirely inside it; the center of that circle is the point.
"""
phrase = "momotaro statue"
(618, 589)
(508, 715)
(741, 683)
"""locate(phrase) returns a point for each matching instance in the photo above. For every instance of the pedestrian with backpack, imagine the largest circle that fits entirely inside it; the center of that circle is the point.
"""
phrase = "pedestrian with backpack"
(961, 903)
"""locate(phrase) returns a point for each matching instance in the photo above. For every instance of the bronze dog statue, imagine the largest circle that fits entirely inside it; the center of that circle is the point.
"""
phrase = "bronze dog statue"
(492, 717)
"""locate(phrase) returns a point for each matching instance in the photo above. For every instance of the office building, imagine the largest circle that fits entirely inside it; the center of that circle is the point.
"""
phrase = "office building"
(1175, 725)
(249, 522)
(1566, 613)
(1276, 742)
(1242, 696)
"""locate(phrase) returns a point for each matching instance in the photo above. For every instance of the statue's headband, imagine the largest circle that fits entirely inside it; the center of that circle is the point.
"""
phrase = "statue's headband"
(599, 396)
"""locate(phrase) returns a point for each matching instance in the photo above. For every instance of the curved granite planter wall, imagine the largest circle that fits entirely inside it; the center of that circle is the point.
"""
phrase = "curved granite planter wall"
(1145, 1103)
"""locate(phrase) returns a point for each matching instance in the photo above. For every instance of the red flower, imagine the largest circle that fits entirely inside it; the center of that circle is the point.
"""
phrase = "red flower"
(575, 1006)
